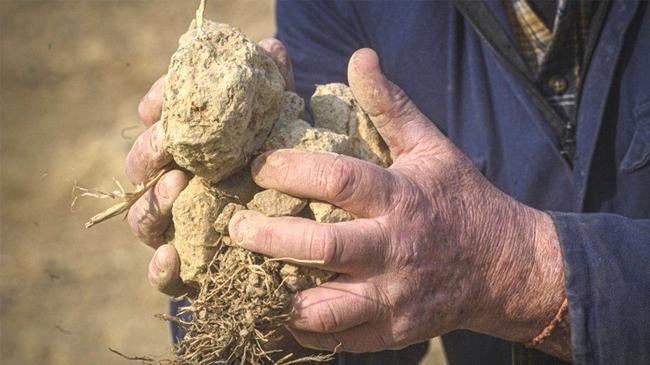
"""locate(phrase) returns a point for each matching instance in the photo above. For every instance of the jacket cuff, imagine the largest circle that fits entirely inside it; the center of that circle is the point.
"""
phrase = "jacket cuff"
(606, 261)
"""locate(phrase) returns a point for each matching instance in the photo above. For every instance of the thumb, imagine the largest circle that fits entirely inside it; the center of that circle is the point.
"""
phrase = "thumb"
(398, 120)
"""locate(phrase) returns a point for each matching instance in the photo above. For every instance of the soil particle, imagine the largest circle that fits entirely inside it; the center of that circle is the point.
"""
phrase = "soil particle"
(194, 213)
(273, 203)
(334, 107)
(297, 133)
(328, 213)
(221, 223)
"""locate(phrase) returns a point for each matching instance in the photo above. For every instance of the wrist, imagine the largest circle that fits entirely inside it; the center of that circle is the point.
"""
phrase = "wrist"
(523, 279)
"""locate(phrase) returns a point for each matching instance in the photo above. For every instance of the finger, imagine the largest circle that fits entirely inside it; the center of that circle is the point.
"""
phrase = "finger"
(148, 155)
(398, 120)
(363, 338)
(354, 246)
(279, 53)
(164, 272)
(150, 216)
(150, 106)
(336, 306)
(359, 187)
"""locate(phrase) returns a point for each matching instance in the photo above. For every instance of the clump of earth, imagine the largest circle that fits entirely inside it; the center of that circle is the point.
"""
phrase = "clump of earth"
(224, 103)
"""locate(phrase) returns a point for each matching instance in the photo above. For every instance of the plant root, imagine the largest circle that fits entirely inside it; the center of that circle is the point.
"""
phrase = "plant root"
(239, 313)
(127, 199)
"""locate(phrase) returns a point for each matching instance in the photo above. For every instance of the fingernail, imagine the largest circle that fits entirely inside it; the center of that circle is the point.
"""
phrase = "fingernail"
(266, 43)
(256, 166)
(156, 264)
(276, 48)
(156, 138)
(163, 186)
(157, 273)
(237, 228)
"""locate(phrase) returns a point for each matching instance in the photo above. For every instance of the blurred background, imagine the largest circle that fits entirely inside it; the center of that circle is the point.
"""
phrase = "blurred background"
(71, 76)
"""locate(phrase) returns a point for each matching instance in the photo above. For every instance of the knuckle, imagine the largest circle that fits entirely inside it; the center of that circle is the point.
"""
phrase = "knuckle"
(146, 156)
(325, 317)
(397, 107)
(132, 166)
(146, 223)
(156, 146)
(324, 245)
(408, 196)
(400, 105)
(384, 187)
(339, 180)
(264, 237)
(137, 222)
(379, 301)
(136, 159)
(400, 336)
(153, 150)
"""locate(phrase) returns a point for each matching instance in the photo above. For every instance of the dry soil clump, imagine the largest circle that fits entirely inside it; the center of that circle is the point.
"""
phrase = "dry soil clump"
(224, 102)
(222, 94)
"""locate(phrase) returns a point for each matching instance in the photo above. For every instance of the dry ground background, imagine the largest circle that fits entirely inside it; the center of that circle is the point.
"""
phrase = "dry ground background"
(71, 75)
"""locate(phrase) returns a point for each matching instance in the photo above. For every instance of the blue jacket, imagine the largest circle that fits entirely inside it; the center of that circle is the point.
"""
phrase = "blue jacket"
(600, 204)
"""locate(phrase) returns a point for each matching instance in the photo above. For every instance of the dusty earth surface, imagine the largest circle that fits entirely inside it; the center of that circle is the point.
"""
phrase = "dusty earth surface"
(71, 75)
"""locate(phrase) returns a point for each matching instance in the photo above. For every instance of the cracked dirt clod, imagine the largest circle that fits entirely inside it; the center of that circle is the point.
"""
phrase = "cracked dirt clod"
(221, 96)
(328, 213)
(221, 223)
(194, 213)
(334, 107)
(296, 133)
(273, 203)
(239, 186)
(293, 107)
(299, 278)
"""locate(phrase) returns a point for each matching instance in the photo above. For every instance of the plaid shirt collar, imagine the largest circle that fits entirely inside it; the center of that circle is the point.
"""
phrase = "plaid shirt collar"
(536, 41)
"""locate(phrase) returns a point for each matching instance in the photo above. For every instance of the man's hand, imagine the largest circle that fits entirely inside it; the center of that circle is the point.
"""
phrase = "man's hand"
(150, 216)
(434, 246)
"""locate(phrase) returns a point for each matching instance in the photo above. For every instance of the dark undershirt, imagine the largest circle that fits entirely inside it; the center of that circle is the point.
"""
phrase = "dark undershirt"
(546, 10)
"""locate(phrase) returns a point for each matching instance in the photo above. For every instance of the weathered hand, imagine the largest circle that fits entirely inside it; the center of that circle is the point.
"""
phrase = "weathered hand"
(150, 216)
(434, 246)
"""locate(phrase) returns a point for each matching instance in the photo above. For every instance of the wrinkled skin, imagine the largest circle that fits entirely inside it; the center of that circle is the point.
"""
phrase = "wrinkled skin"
(434, 246)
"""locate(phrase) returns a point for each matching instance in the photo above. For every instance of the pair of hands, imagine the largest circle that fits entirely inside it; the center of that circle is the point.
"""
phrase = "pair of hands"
(434, 246)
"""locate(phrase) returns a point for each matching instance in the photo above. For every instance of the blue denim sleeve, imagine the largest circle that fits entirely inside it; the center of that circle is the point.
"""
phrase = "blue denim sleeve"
(320, 37)
(607, 269)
